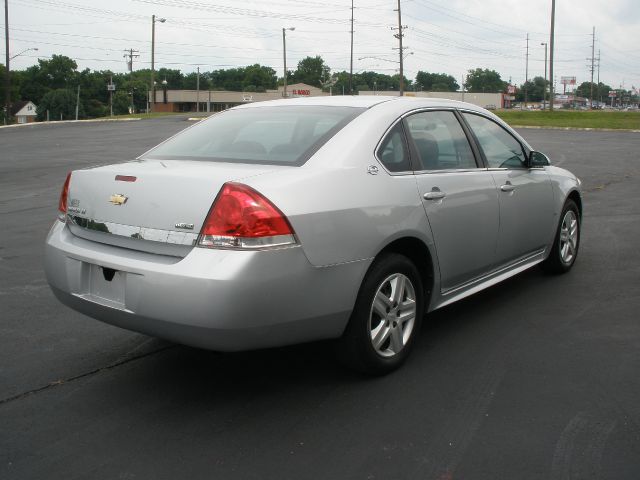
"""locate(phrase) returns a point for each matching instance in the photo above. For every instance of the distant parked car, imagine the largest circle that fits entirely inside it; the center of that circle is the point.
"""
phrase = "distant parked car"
(490, 107)
(283, 222)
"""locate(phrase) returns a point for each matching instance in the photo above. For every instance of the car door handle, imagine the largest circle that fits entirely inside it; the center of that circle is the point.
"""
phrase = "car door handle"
(507, 187)
(434, 195)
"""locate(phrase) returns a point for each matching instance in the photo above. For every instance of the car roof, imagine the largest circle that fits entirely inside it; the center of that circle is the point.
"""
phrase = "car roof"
(363, 101)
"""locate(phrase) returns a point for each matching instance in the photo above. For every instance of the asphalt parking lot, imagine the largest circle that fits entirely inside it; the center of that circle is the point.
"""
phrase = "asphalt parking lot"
(535, 378)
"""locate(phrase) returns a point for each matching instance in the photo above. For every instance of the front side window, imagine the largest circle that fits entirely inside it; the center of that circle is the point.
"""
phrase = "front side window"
(501, 149)
(286, 135)
(440, 141)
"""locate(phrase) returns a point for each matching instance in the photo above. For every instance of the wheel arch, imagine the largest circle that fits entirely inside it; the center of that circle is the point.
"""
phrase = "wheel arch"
(575, 196)
(418, 252)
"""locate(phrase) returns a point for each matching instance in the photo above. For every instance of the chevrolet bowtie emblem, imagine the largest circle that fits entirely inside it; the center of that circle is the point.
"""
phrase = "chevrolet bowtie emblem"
(118, 199)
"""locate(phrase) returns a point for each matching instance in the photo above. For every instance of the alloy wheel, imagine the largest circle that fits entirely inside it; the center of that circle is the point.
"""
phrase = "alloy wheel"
(393, 315)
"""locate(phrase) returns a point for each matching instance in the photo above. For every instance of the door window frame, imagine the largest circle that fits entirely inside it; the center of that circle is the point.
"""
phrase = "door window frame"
(413, 152)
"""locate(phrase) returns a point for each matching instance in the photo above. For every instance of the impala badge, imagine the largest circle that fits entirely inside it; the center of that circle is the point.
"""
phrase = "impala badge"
(186, 226)
(118, 199)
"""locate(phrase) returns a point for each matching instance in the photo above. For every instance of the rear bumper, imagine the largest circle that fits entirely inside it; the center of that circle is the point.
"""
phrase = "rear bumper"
(218, 299)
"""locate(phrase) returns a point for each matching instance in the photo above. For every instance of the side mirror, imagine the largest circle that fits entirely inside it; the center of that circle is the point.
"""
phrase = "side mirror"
(538, 159)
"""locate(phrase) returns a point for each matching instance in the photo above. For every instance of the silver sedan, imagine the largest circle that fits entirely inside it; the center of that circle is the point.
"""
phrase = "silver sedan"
(290, 221)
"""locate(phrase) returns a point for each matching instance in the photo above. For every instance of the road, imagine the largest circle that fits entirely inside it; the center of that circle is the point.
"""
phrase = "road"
(535, 378)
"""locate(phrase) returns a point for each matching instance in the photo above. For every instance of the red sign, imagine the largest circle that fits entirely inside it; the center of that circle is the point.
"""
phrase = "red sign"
(511, 89)
(305, 93)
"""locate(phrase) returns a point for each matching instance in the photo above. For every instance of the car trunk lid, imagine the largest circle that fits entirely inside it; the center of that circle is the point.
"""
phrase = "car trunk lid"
(149, 205)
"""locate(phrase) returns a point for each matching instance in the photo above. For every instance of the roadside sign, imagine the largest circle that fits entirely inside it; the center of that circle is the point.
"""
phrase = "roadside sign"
(111, 87)
(612, 94)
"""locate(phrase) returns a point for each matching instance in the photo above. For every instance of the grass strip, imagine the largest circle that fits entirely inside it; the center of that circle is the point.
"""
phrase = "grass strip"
(560, 118)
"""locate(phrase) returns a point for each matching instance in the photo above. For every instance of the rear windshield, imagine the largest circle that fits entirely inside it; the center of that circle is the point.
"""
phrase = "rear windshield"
(263, 135)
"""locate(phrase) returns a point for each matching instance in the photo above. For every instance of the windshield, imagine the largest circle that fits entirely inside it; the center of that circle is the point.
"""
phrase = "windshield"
(264, 135)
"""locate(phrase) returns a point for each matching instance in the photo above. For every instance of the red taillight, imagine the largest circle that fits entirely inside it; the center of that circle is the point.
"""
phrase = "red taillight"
(241, 217)
(64, 195)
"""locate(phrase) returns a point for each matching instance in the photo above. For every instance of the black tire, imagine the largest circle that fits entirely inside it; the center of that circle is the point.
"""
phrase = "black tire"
(388, 274)
(565, 250)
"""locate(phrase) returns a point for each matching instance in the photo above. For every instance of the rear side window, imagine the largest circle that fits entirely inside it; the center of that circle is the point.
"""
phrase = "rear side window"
(393, 151)
(501, 149)
(264, 135)
(440, 141)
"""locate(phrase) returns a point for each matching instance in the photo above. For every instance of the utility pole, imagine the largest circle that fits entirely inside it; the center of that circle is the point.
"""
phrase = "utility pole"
(7, 78)
(544, 92)
(399, 36)
(593, 59)
(110, 95)
(351, 61)
(599, 89)
(153, 64)
(526, 73)
(77, 102)
(551, 39)
(131, 54)
(198, 91)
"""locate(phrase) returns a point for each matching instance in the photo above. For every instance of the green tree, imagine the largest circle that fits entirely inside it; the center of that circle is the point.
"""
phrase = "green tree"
(230, 79)
(436, 82)
(408, 84)
(262, 78)
(600, 91)
(484, 81)
(3, 72)
(60, 103)
(30, 86)
(93, 92)
(190, 81)
(311, 70)
(58, 72)
(173, 77)
(535, 90)
(121, 102)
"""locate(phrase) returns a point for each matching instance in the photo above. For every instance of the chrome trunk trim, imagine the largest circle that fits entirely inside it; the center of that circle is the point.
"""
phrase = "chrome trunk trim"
(134, 232)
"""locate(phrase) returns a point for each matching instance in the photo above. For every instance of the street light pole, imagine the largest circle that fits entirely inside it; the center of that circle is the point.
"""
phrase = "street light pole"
(551, 39)
(526, 74)
(351, 58)
(284, 54)
(198, 91)
(7, 79)
(544, 91)
(153, 66)
(24, 51)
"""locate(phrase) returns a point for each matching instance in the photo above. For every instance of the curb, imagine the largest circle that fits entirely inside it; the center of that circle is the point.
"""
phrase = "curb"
(94, 120)
(580, 129)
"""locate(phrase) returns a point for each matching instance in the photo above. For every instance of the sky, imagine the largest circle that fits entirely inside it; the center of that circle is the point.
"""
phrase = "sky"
(442, 37)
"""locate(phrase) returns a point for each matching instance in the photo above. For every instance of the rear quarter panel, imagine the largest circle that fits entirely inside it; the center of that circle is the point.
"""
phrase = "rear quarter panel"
(339, 211)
